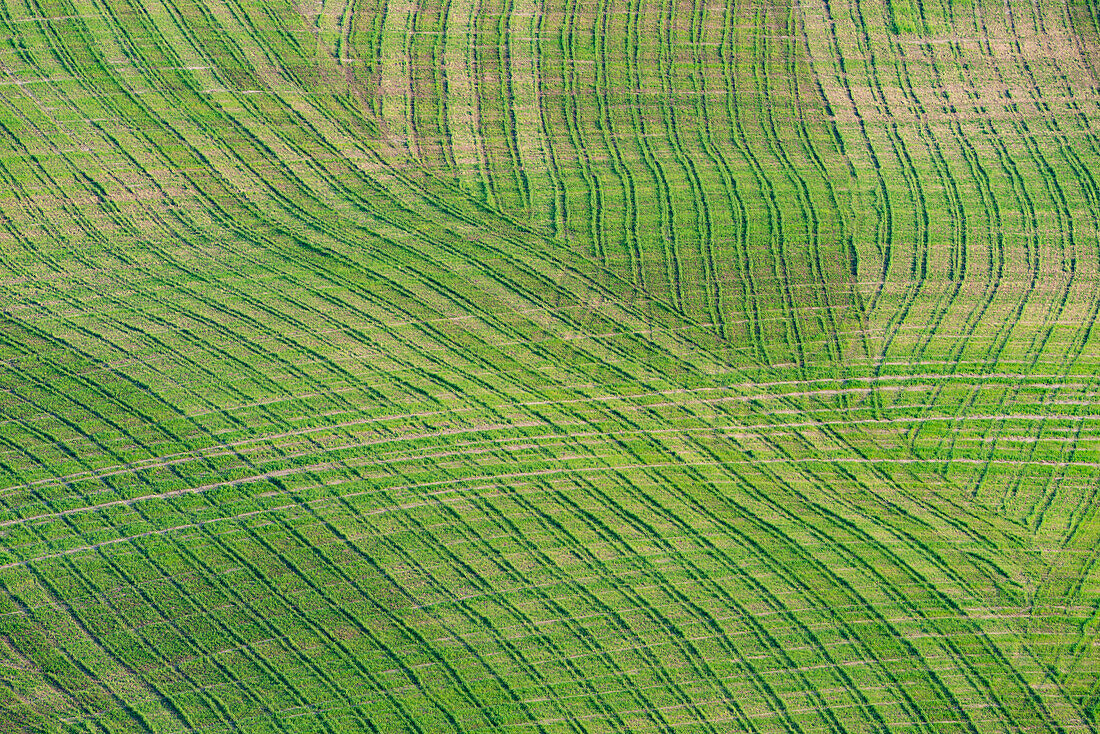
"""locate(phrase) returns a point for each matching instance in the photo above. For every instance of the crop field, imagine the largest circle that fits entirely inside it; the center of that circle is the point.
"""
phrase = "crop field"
(548, 366)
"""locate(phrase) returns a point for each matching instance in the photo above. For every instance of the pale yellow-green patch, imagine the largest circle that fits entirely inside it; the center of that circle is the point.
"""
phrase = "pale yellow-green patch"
(463, 120)
(396, 87)
(524, 67)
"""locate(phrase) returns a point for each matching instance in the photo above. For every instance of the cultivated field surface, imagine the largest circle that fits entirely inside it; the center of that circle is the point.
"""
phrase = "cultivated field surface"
(550, 366)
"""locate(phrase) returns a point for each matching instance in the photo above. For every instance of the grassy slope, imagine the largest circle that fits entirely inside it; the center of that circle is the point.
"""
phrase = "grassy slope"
(598, 368)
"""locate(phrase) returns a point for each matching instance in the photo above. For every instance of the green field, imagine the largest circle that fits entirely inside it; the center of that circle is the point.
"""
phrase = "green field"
(549, 365)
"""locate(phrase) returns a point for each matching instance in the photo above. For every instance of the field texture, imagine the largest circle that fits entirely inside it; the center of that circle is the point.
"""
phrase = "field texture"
(550, 366)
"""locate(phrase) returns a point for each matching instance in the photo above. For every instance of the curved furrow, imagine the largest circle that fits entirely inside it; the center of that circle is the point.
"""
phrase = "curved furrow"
(618, 366)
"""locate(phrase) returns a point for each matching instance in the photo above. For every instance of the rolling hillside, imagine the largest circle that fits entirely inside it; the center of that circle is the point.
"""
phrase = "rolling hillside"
(560, 366)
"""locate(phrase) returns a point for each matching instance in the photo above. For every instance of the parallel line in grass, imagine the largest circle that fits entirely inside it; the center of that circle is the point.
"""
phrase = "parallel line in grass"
(1066, 293)
(695, 659)
(832, 282)
(997, 236)
(559, 215)
(445, 86)
(957, 262)
(1058, 198)
(347, 466)
(843, 289)
(778, 231)
(951, 518)
(322, 631)
(947, 509)
(736, 209)
(506, 56)
(459, 522)
(579, 635)
(740, 138)
(920, 581)
(277, 634)
(491, 109)
(794, 176)
(996, 260)
(944, 567)
(576, 470)
(702, 208)
(427, 214)
(1056, 189)
(748, 278)
(473, 578)
(919, 260)
(244, 646)
(901, 599)
(70, 421)
(881, 207)
(491, 182)
(571, 119)
(1027, 206)
(109, 399)
(28, 327)
(1083, 331)
(950, 512)
(884, 225)
(485, 712)
(741, 398)
(598, 211)
(561, 530)
(229, 449)
(366, 33)
(957, 259)
(888, 344)
(636, 231)
(684, 270)
(647, 530)
(425, 65)
(525, 621)
(562, 224)
(343, 49)
(16, 711)
(353, 64)
(78, 327)
(150, 646)
(85, 696)
(1084, 179)
(235, 448)
(780, 607)
(630, 224)
(396, 36)
(617, 168)
(87, 629)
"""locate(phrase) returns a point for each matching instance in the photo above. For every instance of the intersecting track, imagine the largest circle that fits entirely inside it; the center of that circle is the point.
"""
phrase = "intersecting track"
(564, 366)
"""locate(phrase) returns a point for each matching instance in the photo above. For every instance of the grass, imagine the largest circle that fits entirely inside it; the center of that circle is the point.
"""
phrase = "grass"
(562, 366)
